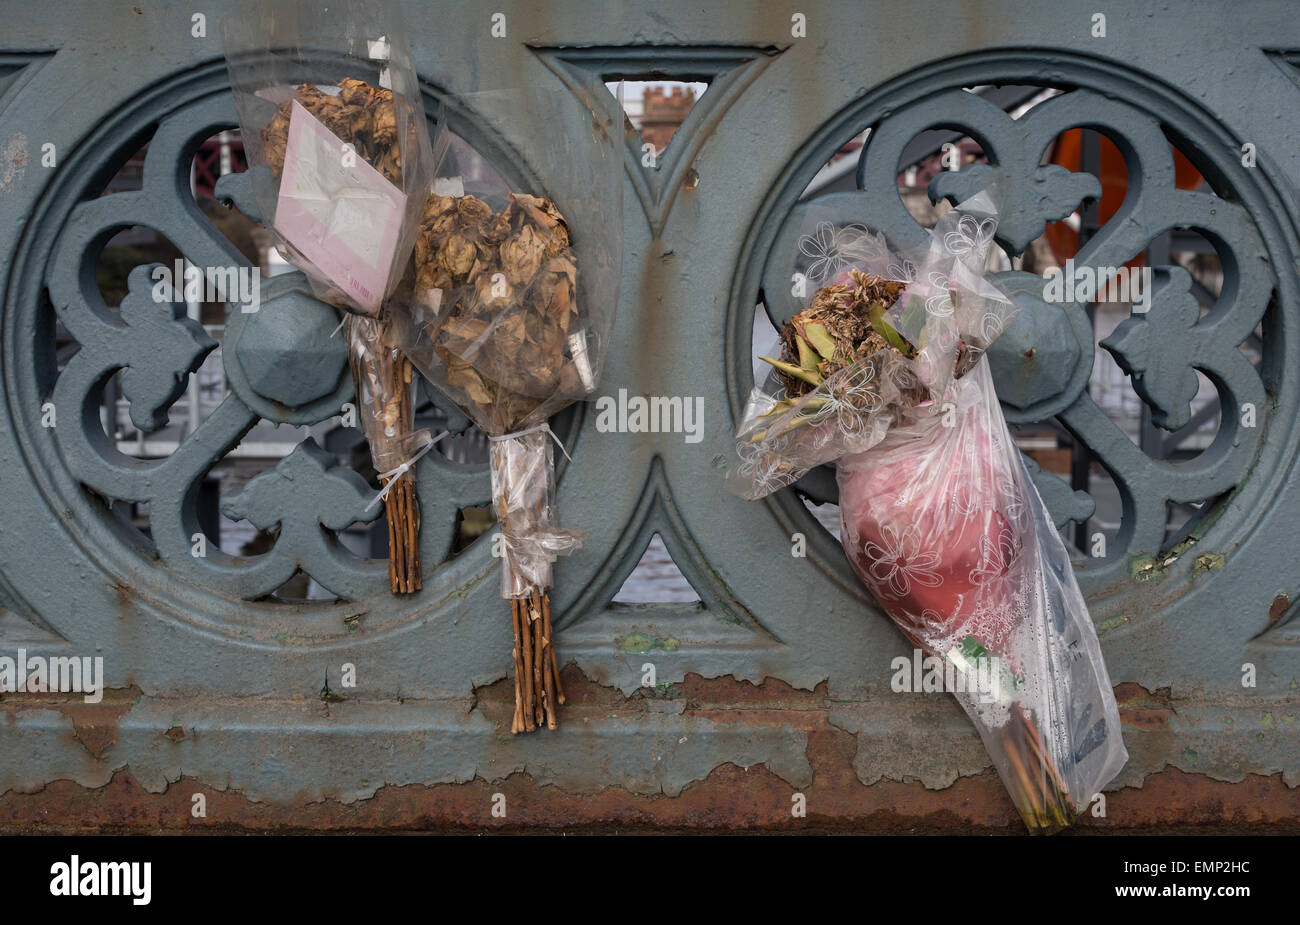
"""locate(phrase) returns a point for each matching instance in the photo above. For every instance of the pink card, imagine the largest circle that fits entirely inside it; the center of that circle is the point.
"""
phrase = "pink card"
(341, 214)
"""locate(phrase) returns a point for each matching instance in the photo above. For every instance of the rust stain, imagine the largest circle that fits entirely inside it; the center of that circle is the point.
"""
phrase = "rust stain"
(1145, 720)
(94, 724)
(729, 798)
(728, 693)
(1132, 694)
(1280, 605)
(125, 598)
(1142, 709)
(723, 699)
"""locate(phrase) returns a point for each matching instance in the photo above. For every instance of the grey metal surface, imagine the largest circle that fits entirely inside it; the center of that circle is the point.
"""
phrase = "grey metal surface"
(705, 233)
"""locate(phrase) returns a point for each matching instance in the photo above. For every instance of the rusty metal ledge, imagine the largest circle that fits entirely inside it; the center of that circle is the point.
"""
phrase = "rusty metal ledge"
(271, 751)
(1225, 741)
(713, 754)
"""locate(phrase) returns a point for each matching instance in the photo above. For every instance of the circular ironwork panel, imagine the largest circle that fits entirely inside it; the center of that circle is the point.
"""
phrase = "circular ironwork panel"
(1043, 362)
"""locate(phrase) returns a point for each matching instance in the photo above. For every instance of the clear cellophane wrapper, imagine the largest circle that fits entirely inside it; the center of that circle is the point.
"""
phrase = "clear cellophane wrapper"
(523, 499)
(515, 285)
(514, 291)
(332, 119)
(385, 405)
(948, 312)
(385, 396)
(943, 524)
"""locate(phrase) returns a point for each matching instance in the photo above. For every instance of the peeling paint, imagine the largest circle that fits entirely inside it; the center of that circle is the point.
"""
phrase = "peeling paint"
(640, 642)
(729, 798)
(727, 753)
(1209, 562)
(94, 726)
(645, 745)
(1143, 568)
(1148, 568)
(13, 160)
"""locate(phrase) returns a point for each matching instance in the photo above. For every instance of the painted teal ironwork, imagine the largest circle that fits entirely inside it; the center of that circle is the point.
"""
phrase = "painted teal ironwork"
(710, 240)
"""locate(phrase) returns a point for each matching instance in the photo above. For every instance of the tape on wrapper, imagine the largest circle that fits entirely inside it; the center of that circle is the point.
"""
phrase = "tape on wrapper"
(389, 479)
(523, 499)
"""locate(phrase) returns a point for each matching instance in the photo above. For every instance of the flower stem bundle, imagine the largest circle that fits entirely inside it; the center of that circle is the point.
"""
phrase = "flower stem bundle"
(383, 378)
(538, 692)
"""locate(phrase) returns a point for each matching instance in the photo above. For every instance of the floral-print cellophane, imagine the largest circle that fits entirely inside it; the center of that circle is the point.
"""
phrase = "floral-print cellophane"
(945, 527)
(948, 311)
(939, 517)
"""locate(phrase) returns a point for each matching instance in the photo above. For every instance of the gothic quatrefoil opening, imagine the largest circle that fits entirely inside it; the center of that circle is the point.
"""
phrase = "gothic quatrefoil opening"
(1045, 363)
(280, 376)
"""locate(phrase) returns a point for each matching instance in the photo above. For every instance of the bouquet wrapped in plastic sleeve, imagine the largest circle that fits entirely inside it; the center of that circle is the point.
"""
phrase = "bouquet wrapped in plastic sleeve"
(884, 372)
(515, 289)
(341, 164)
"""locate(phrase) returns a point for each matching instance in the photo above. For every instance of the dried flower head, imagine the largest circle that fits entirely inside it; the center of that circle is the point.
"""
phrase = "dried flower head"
(846, 323)
(507, 284)
(359, 114)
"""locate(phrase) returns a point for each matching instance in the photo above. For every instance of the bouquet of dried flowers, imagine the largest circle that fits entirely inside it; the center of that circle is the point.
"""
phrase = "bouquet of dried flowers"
(341, 166)
(514, 298)
(884, 373)
(498, 327)
(502, 286)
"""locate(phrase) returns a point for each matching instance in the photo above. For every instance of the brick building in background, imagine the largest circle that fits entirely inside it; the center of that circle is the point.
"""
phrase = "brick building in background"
(663, 110)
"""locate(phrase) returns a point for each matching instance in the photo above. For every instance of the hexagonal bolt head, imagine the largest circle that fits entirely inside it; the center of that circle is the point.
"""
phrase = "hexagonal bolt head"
(286, 350)
(1035, 357)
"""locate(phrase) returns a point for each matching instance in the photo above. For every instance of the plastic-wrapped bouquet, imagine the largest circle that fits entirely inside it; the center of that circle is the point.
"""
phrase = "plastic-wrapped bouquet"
(514, 298)
(336, 138)
(884, 373)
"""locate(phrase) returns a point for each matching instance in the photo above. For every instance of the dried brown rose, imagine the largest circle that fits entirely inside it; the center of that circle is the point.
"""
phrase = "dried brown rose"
(360, 115)
(507, 284)
(521, 255)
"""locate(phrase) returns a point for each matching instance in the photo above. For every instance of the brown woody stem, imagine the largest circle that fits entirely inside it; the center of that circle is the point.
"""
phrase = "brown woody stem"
(1035, 785)
(391, 377)
(538, 691)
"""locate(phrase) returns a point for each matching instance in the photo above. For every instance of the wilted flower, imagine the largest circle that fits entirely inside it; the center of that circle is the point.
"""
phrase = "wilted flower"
(506, 286)
(359, 114)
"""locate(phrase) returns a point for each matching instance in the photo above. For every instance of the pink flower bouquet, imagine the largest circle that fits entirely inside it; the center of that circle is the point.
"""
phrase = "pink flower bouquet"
(884, 373)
